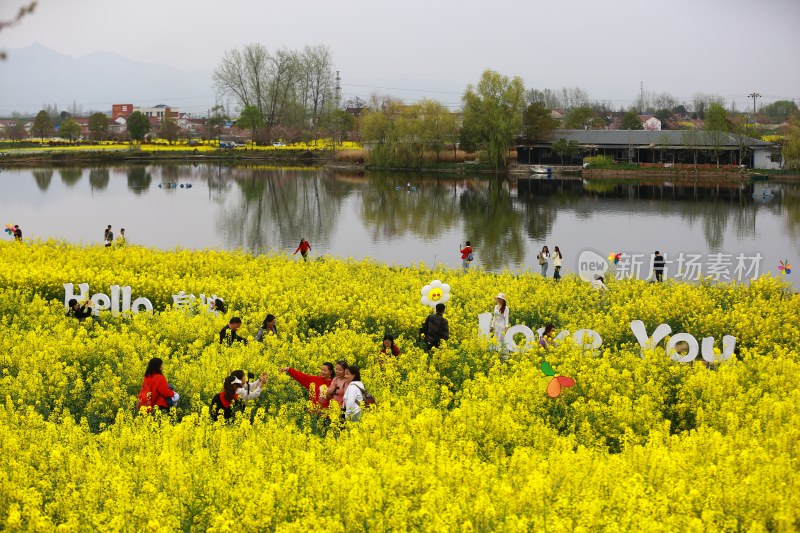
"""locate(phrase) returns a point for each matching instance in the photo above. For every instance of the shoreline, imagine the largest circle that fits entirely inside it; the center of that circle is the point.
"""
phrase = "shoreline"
(324, 159)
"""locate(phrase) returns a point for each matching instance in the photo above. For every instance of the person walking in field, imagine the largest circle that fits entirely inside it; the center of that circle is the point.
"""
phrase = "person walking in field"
(303, 248)
(435, 328)
(544, 258)
(108, 236)
(466, 255)
(17, 233)
(557, 259)
(500, 318)
(121, 237)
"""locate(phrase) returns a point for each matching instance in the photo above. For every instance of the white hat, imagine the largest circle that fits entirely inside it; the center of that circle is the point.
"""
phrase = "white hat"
(501, 296)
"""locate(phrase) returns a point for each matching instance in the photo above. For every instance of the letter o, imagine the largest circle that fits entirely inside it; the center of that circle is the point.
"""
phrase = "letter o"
(141, 302)
(694, 348)
(595, 343)
(100, 302)
(530, 337)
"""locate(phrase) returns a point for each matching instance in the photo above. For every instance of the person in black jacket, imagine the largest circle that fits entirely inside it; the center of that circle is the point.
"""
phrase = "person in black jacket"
(435, 328)
(658, 266)
(79, 311)
(228, 334)
(227, 400)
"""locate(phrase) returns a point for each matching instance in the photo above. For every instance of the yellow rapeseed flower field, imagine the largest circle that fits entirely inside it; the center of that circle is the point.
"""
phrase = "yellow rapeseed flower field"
(462, 439)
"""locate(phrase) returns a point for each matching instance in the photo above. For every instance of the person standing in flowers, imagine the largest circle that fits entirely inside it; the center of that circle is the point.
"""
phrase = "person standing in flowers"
(466, 255)
(155, 391)
(303, 248)
(389, 347)
(249, 390)
(267, 328)
(338, 384)
(108, 236)
(317, 385)
(81, 312)
(543, 258)
(121, 237)
(499, 318)
(228, 333)
(226, 400)
(435, 328)
(17, 233)
(557, 259)
(354, 394)
(547, 337)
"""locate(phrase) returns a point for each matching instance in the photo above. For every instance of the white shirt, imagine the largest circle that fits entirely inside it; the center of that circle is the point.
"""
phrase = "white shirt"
(557, 260)
(353, 396)
(250, 391)
(599, 285)
(500, 320)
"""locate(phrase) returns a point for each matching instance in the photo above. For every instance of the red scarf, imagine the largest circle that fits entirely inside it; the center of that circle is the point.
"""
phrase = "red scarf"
(225, 403)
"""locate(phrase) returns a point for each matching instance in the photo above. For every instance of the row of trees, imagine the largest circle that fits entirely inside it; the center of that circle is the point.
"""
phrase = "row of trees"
(402, 135)
(282, 88)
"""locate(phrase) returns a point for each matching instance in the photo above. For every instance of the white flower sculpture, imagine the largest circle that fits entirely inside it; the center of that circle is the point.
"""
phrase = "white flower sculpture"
(434, 293)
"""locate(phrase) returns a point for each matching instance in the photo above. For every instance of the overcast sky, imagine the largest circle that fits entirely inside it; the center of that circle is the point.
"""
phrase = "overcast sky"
(435, 48)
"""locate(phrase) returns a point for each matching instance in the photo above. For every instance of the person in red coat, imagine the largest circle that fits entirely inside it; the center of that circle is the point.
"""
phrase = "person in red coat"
(156, 392)
(303, 248)
(317, 385)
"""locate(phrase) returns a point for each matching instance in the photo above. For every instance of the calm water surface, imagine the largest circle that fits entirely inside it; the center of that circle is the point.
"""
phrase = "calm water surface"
(402, 219)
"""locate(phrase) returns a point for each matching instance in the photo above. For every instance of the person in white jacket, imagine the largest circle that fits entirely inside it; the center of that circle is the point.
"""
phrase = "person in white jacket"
(500, 318)
(353, 394)
(248, 390)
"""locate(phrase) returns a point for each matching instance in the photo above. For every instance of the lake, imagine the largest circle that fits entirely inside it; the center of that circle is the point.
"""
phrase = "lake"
(406, 219)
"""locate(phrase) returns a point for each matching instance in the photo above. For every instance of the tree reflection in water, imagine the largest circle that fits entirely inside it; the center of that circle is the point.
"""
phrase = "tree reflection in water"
(279, 206)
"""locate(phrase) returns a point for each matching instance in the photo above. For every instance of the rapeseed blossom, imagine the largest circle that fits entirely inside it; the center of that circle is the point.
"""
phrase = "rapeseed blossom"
(461, 439)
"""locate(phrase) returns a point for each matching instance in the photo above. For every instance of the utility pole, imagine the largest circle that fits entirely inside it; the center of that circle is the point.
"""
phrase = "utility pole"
(754, 96)
(338, 90)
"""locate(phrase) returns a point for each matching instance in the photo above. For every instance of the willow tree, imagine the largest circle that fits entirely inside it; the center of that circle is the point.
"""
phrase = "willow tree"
(493, 114)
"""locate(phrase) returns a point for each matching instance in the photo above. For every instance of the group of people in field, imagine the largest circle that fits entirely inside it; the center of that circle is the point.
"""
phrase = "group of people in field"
(337, 385)
(108, 237)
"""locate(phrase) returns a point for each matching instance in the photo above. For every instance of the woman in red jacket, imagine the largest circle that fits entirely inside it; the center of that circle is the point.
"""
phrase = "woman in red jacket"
(303, 248)
(156, 392)
(316, 385)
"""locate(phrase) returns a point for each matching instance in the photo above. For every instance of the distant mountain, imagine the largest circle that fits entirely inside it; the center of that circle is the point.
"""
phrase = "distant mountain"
(34, 76)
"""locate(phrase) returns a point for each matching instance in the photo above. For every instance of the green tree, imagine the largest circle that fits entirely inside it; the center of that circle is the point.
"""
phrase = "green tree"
(250, 118)
(337, 124)
(780, 110)
(791, 142)
(169, 130)
(715, 128)
(42, 126)
(565, 148)
(98, 126)
(69, 130)
(580, 118)
(435, 125)
(538, 122)
(493, 113)
(631, 121)
(138, 126)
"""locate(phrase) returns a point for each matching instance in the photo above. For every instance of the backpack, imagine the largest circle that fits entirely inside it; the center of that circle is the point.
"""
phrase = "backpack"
(470, 257)
(369, 399)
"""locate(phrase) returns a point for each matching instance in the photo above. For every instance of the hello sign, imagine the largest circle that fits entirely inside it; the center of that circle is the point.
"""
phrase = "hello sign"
(589, 339)
(102, 302)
